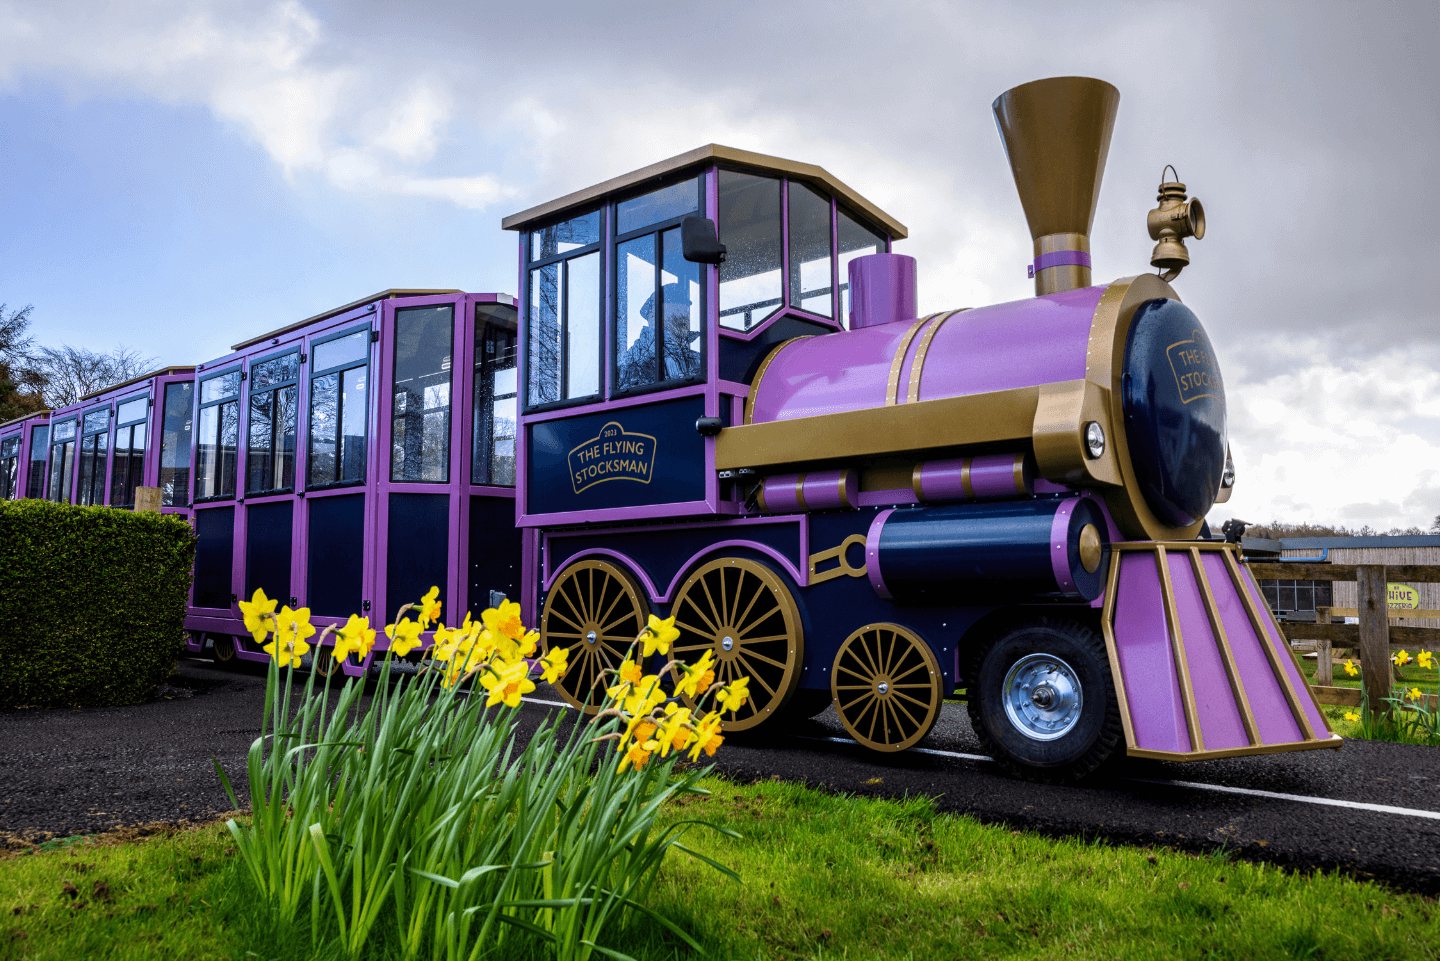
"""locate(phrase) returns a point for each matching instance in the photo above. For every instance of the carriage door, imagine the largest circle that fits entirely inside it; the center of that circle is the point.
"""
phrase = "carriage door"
(420, 447)
(491, 546)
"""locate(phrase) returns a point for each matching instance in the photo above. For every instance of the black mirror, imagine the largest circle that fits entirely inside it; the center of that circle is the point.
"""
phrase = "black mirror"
(701, 241)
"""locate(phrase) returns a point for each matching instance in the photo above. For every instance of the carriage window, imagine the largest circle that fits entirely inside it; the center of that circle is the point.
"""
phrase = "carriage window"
(856, 240)
(274, 397)
(810, 250)
(564, 311)
(657, 312)
(495, 402)
(175, 446)
(657, 206)
(338, 409)
(39, 447)
(9, 467)
(62, 462)
(420, 431)
(750, 281)
(94, 452)
(218, 436)
(129, 463)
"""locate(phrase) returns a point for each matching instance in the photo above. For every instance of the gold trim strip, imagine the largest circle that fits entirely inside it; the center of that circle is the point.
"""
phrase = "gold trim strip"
(1222, 641)
(839, 554)
(840, 490)
(1177, 647)
(892, 386)
(1107, 627)
(800, 491)
(760, 375)
(915, 483)
(1333, 742)
(917, 366)
(760, 497)
(966, 484)
(1018, 471)
(1257, 622)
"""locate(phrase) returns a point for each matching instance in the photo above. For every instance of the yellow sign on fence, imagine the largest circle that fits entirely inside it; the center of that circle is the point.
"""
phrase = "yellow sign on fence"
(1401, 597)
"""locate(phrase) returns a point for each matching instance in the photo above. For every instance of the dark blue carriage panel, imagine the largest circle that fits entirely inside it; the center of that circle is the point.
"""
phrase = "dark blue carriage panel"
(268, 540)
(336, 564)
(418, 551)
(214, 556)
(495, 544)
(628, 457)
(662, 555)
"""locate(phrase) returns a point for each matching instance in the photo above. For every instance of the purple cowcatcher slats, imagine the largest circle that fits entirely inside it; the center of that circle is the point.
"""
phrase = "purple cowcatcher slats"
(1273, 720)
(1147, 663)
(1221, 724)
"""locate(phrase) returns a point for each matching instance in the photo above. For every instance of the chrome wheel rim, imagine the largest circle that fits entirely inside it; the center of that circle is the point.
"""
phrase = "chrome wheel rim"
(1042, 697)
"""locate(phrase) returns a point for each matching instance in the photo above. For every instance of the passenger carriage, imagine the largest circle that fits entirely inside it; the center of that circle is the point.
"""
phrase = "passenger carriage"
(348, 462)
(733, 414)
(24, 442)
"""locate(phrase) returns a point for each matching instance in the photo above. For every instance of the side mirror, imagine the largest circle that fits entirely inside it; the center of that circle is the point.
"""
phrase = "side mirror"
(701, 241)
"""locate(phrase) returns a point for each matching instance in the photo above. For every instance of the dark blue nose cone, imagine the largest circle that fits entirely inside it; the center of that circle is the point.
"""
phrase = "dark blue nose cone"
(1174, 412)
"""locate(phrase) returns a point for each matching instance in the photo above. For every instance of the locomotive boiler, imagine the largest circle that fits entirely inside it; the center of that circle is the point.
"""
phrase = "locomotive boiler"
(734, 414)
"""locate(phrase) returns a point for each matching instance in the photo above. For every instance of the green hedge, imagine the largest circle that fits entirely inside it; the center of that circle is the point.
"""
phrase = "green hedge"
(92, 602)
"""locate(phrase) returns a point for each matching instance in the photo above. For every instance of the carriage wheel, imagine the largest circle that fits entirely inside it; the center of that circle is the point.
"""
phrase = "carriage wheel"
(742, 610)
(595, 610)
(887, 686)
(324, 663)
(222, 649)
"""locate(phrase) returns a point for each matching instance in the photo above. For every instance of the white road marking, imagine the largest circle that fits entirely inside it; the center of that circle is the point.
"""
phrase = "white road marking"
(1219, 788)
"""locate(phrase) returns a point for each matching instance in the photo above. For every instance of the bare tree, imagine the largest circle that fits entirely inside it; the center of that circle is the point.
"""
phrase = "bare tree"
(21, 385)
(72, 372)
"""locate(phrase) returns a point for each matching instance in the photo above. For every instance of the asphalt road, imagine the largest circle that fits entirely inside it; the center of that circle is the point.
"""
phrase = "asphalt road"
(74, 771)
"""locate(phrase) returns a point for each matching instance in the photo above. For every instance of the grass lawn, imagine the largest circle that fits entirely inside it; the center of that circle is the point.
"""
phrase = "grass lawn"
(825, 877)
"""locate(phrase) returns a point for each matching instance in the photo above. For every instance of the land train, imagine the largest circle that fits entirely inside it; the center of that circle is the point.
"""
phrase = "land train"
(733, 414)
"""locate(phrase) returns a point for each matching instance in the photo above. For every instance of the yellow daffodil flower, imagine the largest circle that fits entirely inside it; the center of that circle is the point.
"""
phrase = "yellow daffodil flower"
(404, 636)
(294, 624)
(630, 671)
(259, 614)
(732, 696)
(707, 736)
(553, 664)
(1351, 716)
(447, 643)
(638, 754)
(1415, 694)
(507, 684)
(429, 608)
(1425, 659)
(529, 643)
(658, 636)
(504, 620)
(671, 728)
(695, 675)
(357, 635)
(287, 650)
(645, 696)
(1350, 668)
(1401, 658)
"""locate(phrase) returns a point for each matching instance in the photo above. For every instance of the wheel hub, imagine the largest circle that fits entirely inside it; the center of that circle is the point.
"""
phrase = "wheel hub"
(728, 643)
(882, 687)
(590, 638)
(1042, 696)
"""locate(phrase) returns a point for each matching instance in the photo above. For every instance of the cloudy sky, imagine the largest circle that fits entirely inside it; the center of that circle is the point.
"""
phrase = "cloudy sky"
(178, 175)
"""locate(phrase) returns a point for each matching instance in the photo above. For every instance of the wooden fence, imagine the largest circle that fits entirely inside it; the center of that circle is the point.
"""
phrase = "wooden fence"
(1373, 638)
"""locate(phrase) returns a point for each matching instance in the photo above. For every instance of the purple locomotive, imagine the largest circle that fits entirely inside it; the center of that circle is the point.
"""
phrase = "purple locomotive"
(348, 462)
(732, 414)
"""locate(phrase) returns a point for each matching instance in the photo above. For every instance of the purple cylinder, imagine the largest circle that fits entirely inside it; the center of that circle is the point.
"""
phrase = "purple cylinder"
(821, 490)
(882, 289)
(987, 477)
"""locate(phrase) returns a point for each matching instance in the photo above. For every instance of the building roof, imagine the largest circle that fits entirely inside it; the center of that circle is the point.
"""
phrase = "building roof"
(382, 295)
(729, 156)
(18, 420)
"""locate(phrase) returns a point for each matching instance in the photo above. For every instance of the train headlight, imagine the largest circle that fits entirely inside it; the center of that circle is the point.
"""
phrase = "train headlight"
(1094, 440)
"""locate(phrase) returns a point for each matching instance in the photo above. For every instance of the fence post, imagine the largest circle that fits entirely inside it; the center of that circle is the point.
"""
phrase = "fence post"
(1374, 634)
(1324, 657)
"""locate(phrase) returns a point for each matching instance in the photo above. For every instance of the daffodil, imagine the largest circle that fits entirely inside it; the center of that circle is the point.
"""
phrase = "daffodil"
(447, 643)
(355, 637)
(1425, 659)
(1350, 668)
(732, 696)
(630, 672)
(504, 620)
(672, 728)
(1351, 716)
(429, 609)
(638, 754)
(645, 696)
(1415, 694)
(294, 624)
(658, 636)
(553, 664)
(259, 614)
(695, 675)
(1401, 658)
(404, 636)
(707, 736)
(287, 650)
(507, 684)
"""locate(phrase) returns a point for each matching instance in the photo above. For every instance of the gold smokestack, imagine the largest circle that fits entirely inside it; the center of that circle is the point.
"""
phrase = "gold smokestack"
(1056, 134)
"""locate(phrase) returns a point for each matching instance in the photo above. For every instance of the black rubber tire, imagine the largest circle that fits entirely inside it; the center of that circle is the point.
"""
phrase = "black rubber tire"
(1084, 748)
(805, 704)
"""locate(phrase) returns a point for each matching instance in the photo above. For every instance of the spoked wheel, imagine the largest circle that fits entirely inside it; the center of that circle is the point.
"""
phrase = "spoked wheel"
(742, 610)
(1043, 702)
(324, 663)
(222, 649)
(596, 611)
(887, 686)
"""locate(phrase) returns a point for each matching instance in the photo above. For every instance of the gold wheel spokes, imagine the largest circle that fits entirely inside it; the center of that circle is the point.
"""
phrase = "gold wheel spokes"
(595, 610)
(878, 710)
(742, 612)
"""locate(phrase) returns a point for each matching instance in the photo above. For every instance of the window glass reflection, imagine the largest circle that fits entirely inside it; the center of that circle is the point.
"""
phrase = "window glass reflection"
(175, 446)
(582, 325)
(573, 234)
(750, 280)
(855, 240)
(420, 426)
(94, 452)
(495, 401)
(39, 447)
(225, 385)
(657, 312)
(546, 347)
(338, 409)
(9, 467)
(132, 410)
(350, 349)
(62, 463)
(658, 206)
(636, 363)
(809, 250)
(128, 465)
(270, 458)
